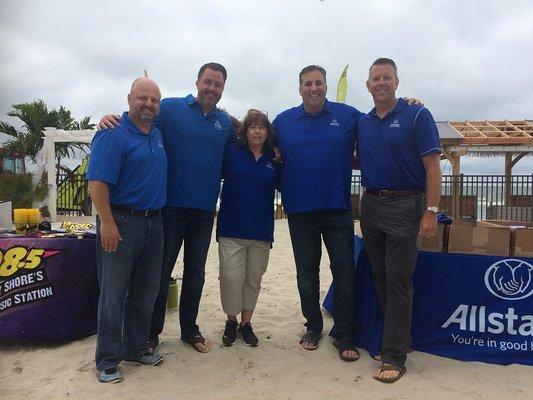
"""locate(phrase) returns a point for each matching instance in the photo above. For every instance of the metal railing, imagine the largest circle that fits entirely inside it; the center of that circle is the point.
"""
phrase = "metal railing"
(72, 194)
(481, 197)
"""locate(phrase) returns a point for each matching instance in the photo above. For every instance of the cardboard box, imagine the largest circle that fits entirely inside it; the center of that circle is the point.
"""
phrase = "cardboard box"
(523, 242)
(437, 243)
(480, 238)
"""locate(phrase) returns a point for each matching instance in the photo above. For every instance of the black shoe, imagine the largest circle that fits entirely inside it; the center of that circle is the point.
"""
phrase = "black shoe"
(230, 333)
(248, 335)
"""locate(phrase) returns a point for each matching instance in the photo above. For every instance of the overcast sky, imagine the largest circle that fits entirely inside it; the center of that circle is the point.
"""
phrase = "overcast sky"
(467, 60)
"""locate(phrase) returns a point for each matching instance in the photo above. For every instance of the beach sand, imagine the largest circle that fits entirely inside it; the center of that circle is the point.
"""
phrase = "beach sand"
(277, 369)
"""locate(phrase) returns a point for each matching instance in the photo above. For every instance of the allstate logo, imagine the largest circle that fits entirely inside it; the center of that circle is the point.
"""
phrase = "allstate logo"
(510, 279)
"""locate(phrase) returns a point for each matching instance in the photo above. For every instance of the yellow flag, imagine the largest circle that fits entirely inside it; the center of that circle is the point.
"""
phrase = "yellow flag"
(343, 85)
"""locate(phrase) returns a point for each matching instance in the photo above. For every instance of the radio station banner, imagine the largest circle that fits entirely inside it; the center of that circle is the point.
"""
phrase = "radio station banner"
(467, 307)
(48, 289)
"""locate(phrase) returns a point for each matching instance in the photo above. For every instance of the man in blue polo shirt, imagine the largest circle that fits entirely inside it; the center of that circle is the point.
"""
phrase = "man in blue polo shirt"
(399, 147)
(317, 143)
(127, 182)
(195, 132)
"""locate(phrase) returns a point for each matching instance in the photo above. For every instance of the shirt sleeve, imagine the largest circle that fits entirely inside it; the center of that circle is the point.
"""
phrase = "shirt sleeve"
(426, 133)
(158, 121)
(225, 160)
(277, 176)
(275, 130)
(106, 157)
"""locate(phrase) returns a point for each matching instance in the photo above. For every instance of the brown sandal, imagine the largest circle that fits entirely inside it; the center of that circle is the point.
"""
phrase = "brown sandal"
(195, 341)
(389, 367)
(311, 337)
(346, 344)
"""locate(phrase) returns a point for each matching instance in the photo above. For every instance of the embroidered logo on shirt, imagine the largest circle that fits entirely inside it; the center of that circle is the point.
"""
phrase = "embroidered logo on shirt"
(334, 123)
(160, 144)
(269, 166)
(395, 124)
(218, 125)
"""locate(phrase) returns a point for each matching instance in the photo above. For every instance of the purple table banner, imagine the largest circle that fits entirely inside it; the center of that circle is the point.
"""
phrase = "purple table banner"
(48, 289)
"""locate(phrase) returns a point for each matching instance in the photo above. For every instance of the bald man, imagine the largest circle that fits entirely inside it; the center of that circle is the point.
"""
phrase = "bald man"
(127, 180)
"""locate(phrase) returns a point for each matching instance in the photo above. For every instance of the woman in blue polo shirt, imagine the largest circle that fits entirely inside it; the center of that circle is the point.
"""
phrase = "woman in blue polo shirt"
(245, 225)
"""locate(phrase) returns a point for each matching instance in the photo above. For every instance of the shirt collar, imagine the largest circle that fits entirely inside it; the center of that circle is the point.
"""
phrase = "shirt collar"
(130, 125)
(192, 102)
(302, 113)
(401, 105)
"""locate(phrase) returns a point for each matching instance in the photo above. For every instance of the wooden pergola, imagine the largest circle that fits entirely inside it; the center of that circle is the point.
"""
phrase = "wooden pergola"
(512, 139)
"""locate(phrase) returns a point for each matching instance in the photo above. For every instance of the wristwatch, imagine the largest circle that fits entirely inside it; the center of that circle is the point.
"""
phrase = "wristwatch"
(434, 210)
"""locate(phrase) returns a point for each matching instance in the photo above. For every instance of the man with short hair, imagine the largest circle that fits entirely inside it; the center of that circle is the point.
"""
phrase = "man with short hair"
(316, 140)
(127, 181)
(195, 133)
(399, 148)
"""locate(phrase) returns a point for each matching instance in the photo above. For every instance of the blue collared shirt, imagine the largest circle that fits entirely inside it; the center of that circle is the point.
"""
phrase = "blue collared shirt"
(132, 163)
(194, 143)
(317, 152)
(247, 199)
(391, 149)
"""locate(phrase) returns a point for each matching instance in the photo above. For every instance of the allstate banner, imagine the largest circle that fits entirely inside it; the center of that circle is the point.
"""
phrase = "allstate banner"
(48, 289)
(467, 307)
(472, 307)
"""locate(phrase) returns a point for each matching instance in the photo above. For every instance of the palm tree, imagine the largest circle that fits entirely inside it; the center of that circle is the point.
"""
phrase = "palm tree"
(35, 117)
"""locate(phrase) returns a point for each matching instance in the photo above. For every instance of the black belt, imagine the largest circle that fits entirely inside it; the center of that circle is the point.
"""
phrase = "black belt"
(393, 194)
(135, 213)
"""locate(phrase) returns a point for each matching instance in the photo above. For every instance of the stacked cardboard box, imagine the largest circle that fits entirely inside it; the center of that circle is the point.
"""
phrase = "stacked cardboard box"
(479, 237)
(495, 237)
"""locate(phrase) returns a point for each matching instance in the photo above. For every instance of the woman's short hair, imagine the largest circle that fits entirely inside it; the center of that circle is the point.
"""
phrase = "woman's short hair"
(255, 117)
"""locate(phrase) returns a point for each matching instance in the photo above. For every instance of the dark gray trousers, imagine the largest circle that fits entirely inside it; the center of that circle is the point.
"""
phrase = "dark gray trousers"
(390, 229)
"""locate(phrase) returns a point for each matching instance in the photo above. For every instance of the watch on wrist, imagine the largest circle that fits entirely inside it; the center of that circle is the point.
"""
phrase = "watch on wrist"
(434, 210)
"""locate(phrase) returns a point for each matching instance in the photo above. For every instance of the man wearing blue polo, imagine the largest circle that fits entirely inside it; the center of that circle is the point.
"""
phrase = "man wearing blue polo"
(317, 143)
(127, 181)
(195, 132)
(399, 147)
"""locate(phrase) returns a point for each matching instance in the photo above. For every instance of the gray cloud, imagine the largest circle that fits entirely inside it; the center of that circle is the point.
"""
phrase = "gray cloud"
(466, 60)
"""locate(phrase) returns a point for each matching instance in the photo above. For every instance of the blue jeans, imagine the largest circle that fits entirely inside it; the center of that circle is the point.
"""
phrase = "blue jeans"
(129, 279)
(192, 227)
(336, 228)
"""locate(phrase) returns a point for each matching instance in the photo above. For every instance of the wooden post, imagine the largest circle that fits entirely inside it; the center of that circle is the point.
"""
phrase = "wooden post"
(455, 161)
(509, 164)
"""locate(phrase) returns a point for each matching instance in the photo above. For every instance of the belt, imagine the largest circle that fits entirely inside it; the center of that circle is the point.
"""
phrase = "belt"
(135, 213)
(393, 194)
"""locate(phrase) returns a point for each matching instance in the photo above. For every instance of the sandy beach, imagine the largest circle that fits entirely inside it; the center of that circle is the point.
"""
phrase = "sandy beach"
(277, 369)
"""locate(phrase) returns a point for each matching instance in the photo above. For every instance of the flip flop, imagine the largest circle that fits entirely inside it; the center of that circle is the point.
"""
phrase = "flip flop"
(312, 337)
(346, 344)
(377, 357)
(389, 367)
(195, 341)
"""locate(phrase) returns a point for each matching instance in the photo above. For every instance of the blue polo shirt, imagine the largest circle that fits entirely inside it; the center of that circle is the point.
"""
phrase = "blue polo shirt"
(132, 163)
(317, 154)
(247, 199)
(194, 143)
(391, 149)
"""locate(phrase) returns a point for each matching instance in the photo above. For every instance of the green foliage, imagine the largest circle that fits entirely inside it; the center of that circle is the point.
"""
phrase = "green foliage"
(35, 116)
(18, 189)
